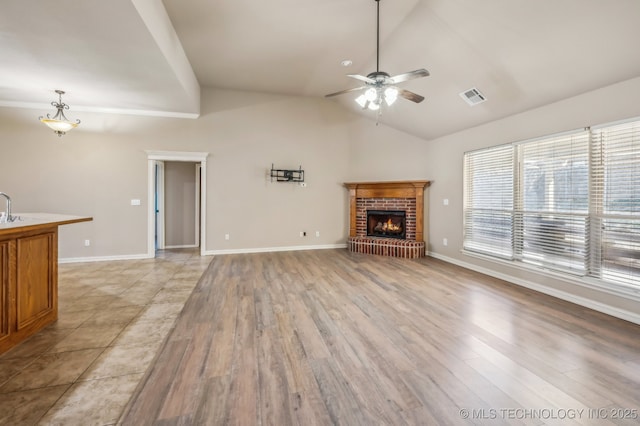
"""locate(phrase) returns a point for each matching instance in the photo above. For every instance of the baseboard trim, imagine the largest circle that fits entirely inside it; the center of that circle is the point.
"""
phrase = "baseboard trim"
(206, 253)
(104, 258)
(578, 300)
(275, 249)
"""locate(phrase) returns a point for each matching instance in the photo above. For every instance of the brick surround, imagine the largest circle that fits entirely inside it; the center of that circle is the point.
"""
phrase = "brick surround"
(401, 195)
(406, 204)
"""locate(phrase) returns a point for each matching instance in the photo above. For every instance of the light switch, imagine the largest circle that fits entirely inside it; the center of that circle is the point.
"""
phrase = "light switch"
(445, 202)
(135, 202)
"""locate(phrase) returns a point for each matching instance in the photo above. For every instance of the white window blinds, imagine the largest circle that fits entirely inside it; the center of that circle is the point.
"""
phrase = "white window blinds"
(488, 204)
(554, 202)
(616, 202)
(570, 203)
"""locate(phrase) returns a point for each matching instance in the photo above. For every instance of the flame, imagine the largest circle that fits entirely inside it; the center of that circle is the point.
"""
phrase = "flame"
(388, 226)
(391, 226)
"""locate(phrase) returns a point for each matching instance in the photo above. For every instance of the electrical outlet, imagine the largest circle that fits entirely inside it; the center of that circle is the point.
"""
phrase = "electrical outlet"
(445, 202)
(303, 233)
(317, 233)
(87, 243)
(445, 242)
(226, 237)
(135, 202)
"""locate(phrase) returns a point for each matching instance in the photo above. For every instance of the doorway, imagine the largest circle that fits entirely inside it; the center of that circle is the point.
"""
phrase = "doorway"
(183, 224)
(177, 204)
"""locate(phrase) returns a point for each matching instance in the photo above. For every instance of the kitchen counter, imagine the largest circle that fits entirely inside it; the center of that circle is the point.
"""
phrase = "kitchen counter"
(29, 274)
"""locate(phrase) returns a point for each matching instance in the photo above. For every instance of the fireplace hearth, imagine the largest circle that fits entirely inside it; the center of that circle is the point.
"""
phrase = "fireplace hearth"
(386, 223)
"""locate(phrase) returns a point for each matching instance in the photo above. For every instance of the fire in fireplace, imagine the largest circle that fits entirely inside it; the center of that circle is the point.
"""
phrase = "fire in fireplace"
(386, 223)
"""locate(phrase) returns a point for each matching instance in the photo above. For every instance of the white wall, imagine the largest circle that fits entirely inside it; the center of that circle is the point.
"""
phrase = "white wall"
(246, 134)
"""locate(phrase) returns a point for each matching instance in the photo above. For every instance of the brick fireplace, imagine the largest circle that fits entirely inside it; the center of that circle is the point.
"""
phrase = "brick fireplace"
(392, 197)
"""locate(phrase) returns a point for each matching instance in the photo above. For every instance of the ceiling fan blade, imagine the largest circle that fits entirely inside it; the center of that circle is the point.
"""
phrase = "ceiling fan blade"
(344, 91)
(409, 76)
(362, 78)
(413, 97)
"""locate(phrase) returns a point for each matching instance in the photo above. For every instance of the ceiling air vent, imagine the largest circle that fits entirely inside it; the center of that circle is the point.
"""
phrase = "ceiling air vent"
(473, 96)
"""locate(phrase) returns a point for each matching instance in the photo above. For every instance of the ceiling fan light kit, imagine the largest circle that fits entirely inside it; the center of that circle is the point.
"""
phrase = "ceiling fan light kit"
(379, 86)
(372, 98)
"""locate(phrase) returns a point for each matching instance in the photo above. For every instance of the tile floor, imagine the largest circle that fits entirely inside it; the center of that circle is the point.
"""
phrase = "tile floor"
(113, 316)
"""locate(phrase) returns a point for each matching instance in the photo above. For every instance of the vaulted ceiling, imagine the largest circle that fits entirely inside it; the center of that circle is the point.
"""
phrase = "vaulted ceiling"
(150, 57)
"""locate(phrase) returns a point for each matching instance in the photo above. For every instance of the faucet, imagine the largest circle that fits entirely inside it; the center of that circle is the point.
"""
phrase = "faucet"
(7, 217)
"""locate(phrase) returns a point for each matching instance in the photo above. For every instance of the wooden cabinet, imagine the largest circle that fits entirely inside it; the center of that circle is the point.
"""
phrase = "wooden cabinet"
(29, 274)
(36, 279)
(29, 290)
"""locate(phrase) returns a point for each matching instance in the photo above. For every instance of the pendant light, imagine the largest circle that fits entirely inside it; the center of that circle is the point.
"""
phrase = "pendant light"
(59, 122)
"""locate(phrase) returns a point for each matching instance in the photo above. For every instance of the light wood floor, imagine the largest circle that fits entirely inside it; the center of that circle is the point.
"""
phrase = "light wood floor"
(330, 337)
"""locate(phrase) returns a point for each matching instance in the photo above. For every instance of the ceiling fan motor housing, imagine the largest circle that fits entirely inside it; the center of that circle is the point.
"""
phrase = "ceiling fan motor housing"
(380, 77)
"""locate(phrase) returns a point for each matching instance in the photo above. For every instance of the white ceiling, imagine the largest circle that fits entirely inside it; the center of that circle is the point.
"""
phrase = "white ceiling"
(150, 57)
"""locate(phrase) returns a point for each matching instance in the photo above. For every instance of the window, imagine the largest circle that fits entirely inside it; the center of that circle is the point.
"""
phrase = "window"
(570, 203)
(489, 197)
(616, 202)
(554, 200)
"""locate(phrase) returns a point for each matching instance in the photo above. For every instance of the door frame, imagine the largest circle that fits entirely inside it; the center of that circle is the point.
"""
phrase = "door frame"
(198, 195)
(152, 158)
(158, 204)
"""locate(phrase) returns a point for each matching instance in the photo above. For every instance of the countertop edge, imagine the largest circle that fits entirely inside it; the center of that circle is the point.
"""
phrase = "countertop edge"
(40, 220)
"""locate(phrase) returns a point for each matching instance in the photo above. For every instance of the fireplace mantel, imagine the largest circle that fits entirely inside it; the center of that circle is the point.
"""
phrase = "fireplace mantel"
(393, 189)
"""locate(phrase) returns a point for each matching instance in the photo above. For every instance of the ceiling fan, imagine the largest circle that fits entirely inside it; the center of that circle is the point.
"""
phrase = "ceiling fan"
(380, 85)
